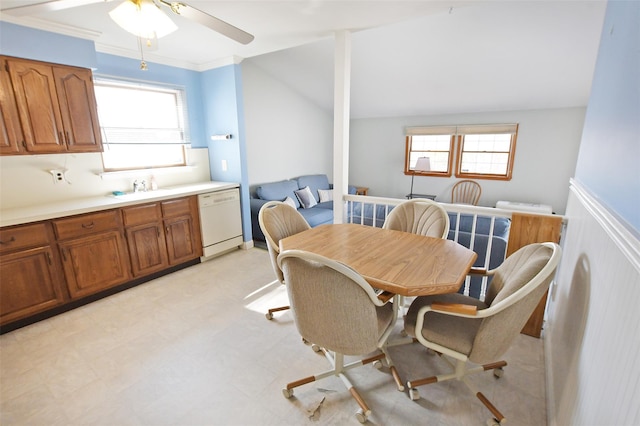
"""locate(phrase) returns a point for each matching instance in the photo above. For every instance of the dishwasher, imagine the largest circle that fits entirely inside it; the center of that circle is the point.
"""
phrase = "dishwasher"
(220, 221)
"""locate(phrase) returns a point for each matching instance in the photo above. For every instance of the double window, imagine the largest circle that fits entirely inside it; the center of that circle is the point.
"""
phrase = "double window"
(481, 151)
(143, 125)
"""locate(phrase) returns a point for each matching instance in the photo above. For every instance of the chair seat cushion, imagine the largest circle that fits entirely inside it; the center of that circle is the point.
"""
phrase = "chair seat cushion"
(453, 332)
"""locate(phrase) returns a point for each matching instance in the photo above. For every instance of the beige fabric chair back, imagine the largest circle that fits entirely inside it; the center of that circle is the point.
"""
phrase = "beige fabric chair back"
(466, 192)
(419, 216)
(519, 283)
(277, 221)
(333, 306)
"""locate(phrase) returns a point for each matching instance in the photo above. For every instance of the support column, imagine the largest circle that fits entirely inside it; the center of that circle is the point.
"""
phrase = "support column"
(341, 115)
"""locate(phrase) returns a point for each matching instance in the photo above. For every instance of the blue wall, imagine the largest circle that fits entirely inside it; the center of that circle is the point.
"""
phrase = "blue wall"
(225, 115)
(609, 158)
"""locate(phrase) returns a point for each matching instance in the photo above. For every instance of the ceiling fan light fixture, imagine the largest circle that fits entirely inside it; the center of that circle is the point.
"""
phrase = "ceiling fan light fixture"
(143, 18)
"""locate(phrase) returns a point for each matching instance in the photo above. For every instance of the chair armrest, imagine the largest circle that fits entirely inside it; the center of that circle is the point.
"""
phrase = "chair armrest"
(458, 308)
(478, 271)
(385, 296)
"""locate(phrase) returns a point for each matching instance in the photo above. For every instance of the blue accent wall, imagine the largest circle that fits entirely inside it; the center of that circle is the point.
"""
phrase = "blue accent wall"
(609, 158)
(28, 43)
(223, 103)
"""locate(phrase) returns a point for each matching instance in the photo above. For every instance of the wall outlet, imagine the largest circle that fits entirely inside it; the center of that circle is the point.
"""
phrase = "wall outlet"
(58, 176)
(224, 165)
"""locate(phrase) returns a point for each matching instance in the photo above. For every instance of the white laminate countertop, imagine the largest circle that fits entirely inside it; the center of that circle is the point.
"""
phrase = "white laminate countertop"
(91, 204)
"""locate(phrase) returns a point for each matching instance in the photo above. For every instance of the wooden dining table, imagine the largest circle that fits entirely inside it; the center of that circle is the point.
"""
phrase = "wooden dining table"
(398, 262)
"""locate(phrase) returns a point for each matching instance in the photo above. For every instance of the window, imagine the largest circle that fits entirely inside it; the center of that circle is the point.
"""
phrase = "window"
(142, 125)
(483, 151)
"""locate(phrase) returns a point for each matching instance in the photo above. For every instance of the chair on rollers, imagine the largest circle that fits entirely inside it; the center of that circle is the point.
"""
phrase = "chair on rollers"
(466, 192)
(334, 307)
(463, 329)
(419, 216)
(277, 221)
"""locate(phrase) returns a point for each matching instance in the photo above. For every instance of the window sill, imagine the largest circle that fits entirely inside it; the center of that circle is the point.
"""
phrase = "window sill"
(144, 172)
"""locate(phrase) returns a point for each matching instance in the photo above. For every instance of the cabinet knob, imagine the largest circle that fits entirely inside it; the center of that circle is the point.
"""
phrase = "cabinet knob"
(9, 241)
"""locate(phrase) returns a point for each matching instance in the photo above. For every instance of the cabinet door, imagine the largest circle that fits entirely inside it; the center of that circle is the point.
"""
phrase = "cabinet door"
(95, 263)
(30, 283)
(181, 240)
(35, 92)
(147, 248)
(76, 98)
(11, 138)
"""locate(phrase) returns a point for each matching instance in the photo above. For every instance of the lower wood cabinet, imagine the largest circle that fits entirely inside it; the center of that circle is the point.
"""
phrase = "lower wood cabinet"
(48, 264)
(30, 277)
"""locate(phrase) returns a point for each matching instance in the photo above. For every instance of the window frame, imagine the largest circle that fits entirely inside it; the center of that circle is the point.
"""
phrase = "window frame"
(425, 131)
(183, 125)
(456, 148)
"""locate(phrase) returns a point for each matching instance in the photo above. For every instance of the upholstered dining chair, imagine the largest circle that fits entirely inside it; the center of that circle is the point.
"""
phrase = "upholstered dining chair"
(466, 192)
(419, 216)
(277, 221)
(336, 308)
(463, 329)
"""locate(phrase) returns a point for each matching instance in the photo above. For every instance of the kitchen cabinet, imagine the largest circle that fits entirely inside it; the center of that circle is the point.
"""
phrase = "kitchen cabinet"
(94, 252)
(162, 234)
(182, 227)
(146, 238)
(56, 106)
(30, 277)
(11, 141)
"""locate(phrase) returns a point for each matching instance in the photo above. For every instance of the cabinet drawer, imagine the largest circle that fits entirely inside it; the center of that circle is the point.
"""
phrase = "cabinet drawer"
(23, 237)
(138, 215)
(177, 207)
(86, 224)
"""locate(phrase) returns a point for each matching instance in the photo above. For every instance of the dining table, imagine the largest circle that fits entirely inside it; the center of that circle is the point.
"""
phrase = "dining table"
(400, 264)
(395, 261)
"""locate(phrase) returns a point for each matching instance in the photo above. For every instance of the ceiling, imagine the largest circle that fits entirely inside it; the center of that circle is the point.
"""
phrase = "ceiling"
(408, 57)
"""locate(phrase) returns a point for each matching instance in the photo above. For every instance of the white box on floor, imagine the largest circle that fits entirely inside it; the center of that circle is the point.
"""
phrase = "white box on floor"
(524, 207)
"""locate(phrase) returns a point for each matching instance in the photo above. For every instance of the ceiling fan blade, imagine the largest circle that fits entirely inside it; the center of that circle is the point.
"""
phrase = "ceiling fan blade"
(47, 6)
(212, 22)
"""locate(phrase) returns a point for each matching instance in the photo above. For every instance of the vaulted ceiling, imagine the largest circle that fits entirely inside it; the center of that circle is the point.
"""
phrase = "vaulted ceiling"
(408, 57)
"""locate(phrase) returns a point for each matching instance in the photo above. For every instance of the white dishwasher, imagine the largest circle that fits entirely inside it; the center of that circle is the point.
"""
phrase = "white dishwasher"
(220, 221)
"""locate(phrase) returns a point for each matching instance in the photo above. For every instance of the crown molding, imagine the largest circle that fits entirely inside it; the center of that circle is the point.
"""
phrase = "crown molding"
(44, 25)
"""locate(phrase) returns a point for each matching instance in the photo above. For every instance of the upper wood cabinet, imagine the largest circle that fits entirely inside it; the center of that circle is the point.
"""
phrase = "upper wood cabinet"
(56, 106)
(11, 139)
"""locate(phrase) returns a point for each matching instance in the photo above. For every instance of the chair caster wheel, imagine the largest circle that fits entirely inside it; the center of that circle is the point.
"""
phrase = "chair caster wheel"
(494, 422)
(377, 364)
(269, 315)
(361, 416)
(288, 393)
(414, 394)
(316, 348)
(498, 372)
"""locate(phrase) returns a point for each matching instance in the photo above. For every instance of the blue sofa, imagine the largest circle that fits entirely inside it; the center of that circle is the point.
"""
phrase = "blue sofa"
(319, 214)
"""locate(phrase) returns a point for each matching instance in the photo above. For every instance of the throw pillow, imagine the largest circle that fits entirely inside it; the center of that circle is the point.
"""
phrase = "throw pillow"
(325, 195)
(290, 202)
(306, 197)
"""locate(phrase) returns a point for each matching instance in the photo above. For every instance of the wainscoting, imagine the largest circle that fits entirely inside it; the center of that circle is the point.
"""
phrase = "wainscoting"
(592, 338)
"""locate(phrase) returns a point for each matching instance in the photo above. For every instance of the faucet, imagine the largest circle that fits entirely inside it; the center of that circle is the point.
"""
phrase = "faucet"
(139, 186)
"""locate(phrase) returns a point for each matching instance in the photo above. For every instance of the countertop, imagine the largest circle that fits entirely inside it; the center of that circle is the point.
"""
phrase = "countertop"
(92, 204)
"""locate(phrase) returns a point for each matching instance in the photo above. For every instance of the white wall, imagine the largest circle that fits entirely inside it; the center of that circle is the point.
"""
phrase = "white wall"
(287, 135)
(25, 179)
(592, 337)
(546, 152)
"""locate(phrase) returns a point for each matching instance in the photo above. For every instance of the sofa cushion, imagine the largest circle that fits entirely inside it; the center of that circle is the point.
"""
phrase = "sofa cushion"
(325, 195)
(278, 191)
(306, 198)
(314, 182)
(317, 216)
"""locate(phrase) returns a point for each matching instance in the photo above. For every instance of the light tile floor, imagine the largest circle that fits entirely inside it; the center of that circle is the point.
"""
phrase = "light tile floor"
(194, 348)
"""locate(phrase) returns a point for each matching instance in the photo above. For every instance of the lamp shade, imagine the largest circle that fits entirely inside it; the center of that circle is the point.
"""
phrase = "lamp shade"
(423, 164)
(143, 18)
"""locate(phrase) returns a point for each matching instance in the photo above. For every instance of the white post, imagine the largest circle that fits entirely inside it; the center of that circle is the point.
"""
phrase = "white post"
(341, 114)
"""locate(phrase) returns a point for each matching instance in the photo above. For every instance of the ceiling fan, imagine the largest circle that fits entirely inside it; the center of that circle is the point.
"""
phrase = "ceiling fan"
(177, 7)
